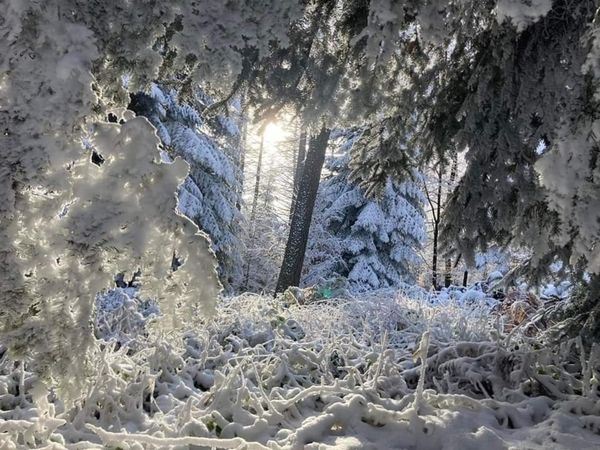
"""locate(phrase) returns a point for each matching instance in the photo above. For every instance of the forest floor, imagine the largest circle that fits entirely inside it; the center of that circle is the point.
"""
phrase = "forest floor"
(341, 373)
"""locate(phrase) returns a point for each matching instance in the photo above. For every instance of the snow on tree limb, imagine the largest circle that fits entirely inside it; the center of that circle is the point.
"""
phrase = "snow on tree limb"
(67, 225)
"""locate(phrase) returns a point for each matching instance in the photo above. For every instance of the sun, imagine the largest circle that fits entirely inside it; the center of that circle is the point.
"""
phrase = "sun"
(275, 133)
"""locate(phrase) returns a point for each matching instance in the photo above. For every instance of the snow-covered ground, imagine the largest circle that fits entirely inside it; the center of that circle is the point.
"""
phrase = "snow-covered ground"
(342, 373)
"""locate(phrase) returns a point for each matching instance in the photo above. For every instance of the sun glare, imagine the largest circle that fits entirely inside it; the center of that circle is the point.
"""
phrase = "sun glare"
(275, 134)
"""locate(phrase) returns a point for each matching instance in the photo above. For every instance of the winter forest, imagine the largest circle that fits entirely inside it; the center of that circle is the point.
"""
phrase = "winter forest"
(299, 224)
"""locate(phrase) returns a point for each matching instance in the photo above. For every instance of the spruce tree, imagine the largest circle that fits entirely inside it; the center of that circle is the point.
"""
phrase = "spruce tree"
(210, 194)
(373, 243)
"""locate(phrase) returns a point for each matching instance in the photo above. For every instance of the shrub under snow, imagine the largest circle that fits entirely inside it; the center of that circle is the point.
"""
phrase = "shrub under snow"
(341, 373)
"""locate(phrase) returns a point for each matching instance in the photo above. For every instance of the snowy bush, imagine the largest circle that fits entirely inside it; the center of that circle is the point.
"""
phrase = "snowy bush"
(335, 373)
(121, 316)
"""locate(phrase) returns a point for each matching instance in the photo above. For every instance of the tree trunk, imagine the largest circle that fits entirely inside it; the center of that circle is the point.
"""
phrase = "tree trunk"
(257, 183)
(243, 147)
(465, 278)
(293, 259)
(451, 181)
(448, 272)
(434, 258)
(300, 156)
(436, 232)
(255, 203)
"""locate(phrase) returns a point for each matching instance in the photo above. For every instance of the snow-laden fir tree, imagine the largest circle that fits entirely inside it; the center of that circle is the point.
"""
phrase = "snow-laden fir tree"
(210, 195)
(371, 242)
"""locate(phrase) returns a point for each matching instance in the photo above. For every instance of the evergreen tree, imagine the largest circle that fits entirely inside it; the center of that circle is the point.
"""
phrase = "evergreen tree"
(210, 194)
(499, 81)
(371, 242)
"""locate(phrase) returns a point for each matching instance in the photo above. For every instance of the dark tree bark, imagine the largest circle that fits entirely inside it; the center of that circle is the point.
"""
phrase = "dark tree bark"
(436, 232)
(293, 259)
(466, 271)
(435, 203)
(434, 269)
(453, 171)
(300, 156)
(448, 272)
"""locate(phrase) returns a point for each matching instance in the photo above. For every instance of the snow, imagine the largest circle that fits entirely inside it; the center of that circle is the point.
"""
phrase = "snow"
(560, 291)
(341, 373)
(121, 315)
(405, 368)
(571, 183)
(209, 196)
(522, 12)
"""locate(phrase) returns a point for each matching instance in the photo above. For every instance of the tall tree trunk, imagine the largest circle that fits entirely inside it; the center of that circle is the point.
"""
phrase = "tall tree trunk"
(243, 148)
(451, 181)
(300, 156)
(244, 143)
(436, 231)
(434, 258)
(293, 259)
(255, 202)
(257, 183)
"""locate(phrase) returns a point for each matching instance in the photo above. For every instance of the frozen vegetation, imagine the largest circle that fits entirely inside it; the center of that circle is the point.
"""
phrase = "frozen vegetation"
(421, 144)
(342, 373)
